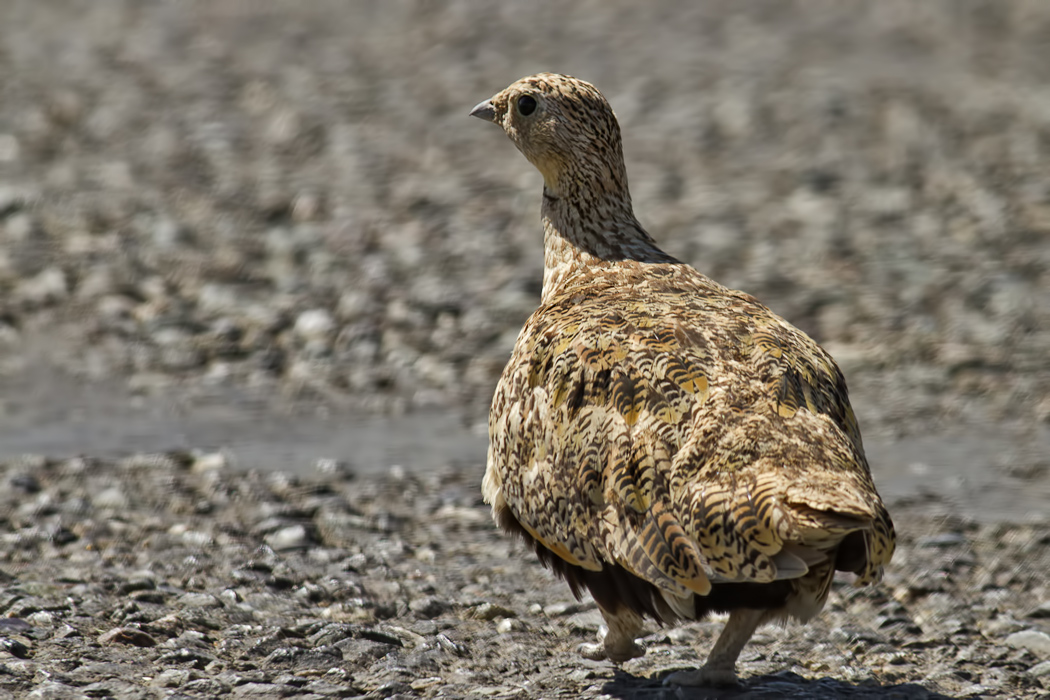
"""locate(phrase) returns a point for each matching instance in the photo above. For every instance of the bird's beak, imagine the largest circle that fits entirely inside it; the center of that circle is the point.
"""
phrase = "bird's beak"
(484, 110)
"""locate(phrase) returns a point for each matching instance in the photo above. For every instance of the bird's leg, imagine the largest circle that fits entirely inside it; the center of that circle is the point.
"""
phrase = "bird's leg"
(720, 669)
(616, 641)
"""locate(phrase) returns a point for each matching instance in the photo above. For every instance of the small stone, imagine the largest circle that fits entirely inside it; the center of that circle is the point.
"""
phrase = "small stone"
(355, 304)
(41, 618)
(55, 691)
(259, 689)
(15, 648)
(424, 683)
(206, 688)
(1036, 642)
(452, 647)
(13, 199)
(127, 635)
(491, 611)
(560, 609)
(26, 483)
(195, 538)
(1040, 670)
(507, 625)
(334, 468)
(151, 597)
(230, 596)
(14, 625)
(209, 461)
(587, 621)
(945, 539)
(66, 632)
(168, 234)
(174, 678)
(1000, 627)
(219, 299)
(112, 498)
(462, 515)
(314, 324)
(428, 607)
(199, 600)
(311, 592)
(292, 537)
(9, 148)
(138, 581)
(49, 286)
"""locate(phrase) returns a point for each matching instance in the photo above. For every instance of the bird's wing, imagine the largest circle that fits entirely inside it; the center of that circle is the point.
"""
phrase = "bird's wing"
(672, 440)
(579, 449)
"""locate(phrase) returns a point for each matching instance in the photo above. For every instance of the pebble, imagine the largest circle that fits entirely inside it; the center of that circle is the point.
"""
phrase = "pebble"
(560, 609)
(1036, 642)
(256, 690)
(292, 537)
(209, 461)
(112, 498)
(195, 538)
(15, 648)
(198, 600)
(127, 635)
(946, 539)
(14, 625)
(452, 647)
(429, 607)
(48, 287)
(315, 324)
(41, 618)
(508, 625)
(491, 611)
(49, 690)
(334, 467)
(174, 678)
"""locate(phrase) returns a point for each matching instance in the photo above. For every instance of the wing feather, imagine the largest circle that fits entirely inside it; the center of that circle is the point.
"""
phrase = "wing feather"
(689, 444)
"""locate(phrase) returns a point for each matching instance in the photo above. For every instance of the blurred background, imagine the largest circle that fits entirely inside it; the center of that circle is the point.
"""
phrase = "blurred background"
(272, 227)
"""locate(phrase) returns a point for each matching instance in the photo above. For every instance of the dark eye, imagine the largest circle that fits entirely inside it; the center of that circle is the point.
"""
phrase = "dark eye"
(526, 105)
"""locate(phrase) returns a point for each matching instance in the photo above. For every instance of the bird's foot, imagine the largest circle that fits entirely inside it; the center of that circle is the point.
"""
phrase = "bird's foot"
(704, 677)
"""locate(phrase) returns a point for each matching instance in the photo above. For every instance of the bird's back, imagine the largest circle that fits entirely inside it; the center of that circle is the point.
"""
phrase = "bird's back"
(653, 421)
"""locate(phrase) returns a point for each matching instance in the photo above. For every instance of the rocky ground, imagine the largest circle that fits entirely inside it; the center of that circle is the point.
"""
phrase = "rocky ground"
(216, 194)
(171, 575)
(287, 204)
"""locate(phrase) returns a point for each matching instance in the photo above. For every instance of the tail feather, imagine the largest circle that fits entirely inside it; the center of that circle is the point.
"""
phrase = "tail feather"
(755, 527)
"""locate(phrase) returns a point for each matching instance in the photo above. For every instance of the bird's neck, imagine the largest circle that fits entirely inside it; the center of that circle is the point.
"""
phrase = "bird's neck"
(585, 234)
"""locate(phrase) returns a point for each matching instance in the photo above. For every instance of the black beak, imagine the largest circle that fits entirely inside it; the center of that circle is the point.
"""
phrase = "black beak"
(484, 110)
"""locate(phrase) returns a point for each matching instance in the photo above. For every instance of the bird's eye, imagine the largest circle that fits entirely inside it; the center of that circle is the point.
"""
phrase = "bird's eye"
(526, 105)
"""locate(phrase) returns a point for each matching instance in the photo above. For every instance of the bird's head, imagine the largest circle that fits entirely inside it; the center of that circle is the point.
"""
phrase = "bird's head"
(566, 128)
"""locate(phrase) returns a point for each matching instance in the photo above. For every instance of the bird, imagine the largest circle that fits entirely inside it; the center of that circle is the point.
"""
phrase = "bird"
(665, 443)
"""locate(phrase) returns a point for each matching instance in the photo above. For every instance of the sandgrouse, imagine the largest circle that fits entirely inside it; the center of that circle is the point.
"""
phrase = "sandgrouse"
(668, 444)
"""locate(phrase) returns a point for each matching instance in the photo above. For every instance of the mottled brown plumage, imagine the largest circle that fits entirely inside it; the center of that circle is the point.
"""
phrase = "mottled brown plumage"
(668, 444)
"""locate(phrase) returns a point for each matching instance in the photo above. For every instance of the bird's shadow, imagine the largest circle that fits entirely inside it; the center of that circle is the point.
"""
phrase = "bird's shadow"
(779, 685)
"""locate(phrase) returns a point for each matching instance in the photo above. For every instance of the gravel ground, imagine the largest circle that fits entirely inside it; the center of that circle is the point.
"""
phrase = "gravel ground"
(170, 575)
(286, 203)
(217, 194)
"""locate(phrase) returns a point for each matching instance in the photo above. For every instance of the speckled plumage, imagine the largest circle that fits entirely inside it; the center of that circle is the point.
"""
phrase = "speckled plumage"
(669, 444)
